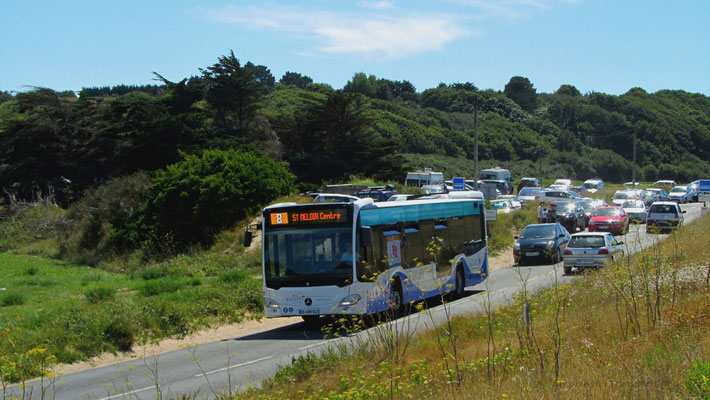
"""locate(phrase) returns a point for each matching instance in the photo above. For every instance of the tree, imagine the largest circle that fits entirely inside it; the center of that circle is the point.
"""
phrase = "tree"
(35, 145)
(189, 201)
(296, 79)
(568, 90)
(336, 140)
(262, 75)
(521, 91)
(363, 84)
(5, 96)
(231, 92)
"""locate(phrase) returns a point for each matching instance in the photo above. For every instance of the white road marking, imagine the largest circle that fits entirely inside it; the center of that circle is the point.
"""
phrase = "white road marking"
(116, 396)
(233, 366)
(313, 345)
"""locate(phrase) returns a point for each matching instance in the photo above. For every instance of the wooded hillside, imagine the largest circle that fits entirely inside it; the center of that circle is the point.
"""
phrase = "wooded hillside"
(372, 127)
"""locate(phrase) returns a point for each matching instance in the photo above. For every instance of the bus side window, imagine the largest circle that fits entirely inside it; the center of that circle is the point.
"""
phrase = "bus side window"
(412, 246)
(430, 243)
(373, 262)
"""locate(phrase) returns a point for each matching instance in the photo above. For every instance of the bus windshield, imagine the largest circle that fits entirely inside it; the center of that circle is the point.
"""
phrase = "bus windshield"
(308, 257)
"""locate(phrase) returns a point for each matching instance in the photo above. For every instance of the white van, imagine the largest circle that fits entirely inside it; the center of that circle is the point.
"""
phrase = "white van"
(426, 177)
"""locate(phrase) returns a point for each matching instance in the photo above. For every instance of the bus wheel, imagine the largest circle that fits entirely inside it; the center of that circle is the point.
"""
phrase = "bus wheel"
(396, 300)
(460, 283)
(310, 320)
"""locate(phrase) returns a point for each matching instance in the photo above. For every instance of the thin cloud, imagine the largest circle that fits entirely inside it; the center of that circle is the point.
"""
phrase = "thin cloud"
(377, 5)
(365, 35)
(510, 9)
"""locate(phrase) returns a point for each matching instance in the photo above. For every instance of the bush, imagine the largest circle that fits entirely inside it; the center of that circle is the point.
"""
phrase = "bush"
(153, 273)
(120, 332)
(190, 201)
(90, 224)
(524, 217)
(12, 299)
(96, 294)
(158, 286)
(234, 276)
(31, 270)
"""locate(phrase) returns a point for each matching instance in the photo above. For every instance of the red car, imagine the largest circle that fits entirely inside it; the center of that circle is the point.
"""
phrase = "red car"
(609, 219)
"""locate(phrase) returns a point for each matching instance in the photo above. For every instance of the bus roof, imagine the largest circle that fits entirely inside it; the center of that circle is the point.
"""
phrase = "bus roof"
(393, 212)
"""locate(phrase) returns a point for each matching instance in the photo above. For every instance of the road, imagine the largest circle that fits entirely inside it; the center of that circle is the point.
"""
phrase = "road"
(241, 362)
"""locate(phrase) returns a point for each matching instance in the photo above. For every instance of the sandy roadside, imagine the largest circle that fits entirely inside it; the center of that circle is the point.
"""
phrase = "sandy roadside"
(210, 335)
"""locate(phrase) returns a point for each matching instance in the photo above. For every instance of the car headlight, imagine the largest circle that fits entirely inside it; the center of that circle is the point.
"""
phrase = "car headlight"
(516, 246)
(269, 303)
(549, 244)
(351, 300)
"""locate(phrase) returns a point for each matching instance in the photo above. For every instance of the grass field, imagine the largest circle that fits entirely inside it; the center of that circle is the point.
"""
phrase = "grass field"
(637, 329)
(72, 312)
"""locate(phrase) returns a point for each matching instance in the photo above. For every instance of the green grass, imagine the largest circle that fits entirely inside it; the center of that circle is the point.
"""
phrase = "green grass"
(76, 311)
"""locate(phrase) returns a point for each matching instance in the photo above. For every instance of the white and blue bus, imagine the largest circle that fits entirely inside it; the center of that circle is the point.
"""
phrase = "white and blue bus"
(405, 251)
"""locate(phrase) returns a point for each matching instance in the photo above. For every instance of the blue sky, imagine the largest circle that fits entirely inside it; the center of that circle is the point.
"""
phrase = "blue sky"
(603, 46)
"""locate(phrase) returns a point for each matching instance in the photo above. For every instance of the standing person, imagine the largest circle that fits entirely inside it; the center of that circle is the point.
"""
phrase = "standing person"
(540, 213)
(552, 213)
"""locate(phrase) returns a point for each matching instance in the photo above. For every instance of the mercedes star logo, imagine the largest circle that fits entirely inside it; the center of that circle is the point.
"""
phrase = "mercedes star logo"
(308, 301)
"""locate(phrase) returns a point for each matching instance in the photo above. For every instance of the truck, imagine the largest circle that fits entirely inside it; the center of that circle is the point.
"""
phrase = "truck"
(425, 177)
(498, 174)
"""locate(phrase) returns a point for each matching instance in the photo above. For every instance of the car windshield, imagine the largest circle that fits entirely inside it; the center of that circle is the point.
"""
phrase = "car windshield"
(499, 204)
(633, 204)
(593, 242)
(529, 191)
(607, 212)
(663, 209)
(589, 185)
(679, 189)
(538, 232)
(576, 195)
(566, 207)
(432, 189)
(623, 195)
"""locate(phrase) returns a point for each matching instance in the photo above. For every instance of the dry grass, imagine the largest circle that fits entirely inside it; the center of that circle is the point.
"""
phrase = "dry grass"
(632, 330)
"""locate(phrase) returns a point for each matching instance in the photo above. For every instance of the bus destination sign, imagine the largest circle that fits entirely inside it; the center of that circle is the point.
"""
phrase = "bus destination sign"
(307, 217)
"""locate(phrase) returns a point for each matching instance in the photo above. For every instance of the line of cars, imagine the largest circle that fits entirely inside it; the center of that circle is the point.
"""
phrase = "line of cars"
(598, 246)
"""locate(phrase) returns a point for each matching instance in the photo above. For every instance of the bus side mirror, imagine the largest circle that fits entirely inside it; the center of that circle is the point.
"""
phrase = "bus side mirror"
(247, 238)
(366, 236)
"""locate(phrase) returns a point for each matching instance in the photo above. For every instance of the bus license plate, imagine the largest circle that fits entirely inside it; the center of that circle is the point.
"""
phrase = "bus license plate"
(308, 311)
(532, 253)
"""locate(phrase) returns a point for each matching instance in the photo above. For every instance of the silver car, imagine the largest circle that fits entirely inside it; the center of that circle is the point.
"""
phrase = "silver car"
(636, 210)
(587, 250)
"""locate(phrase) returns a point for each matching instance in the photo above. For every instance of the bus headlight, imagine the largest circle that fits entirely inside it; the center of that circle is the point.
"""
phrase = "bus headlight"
(350, 300)
(268, 303)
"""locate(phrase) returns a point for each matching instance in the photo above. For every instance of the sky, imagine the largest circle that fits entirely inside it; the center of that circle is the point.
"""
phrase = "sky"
(596, 45)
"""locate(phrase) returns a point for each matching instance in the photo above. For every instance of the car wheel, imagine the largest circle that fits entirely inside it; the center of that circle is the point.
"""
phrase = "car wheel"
(567, 270)
(557, 257)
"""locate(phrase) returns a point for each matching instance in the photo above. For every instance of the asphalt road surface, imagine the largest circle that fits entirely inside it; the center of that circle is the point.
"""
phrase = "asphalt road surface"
(209, 369)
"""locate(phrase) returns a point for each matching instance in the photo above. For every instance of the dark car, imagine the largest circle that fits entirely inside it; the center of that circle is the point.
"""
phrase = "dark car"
(540, 243)
(377, 193)
(503, 186)
(528, 182)
(571, 215)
